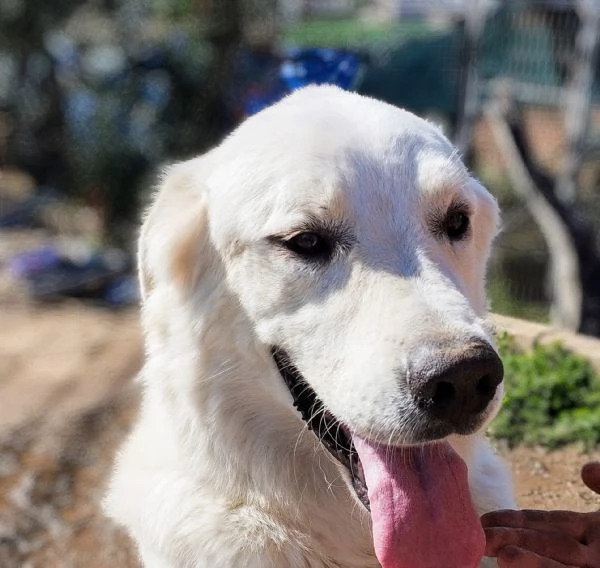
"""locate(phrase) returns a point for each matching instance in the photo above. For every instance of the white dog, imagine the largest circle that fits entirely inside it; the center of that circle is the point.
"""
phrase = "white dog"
(319, 369)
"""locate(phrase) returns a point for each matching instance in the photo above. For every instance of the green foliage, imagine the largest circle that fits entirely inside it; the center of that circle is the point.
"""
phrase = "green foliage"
(345, 33)
(553, 397)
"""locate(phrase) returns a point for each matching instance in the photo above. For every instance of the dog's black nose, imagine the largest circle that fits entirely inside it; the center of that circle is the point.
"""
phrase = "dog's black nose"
(456, 385)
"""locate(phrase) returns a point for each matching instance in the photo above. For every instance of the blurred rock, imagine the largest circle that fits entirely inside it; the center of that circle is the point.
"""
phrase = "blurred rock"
(15, 185)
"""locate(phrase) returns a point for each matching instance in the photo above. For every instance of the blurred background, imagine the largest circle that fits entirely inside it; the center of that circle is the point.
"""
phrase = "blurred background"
(96, 96)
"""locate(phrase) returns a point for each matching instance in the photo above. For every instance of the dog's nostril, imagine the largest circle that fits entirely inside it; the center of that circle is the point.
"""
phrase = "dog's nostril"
(459, 386)
(444, 393)
(485, 386)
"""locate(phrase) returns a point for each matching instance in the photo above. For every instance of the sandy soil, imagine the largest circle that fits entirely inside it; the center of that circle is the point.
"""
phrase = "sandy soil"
(550, 480)
(67, 400)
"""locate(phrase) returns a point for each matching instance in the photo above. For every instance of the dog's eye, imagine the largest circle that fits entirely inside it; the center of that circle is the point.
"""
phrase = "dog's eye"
(310, 245)
(456, 225)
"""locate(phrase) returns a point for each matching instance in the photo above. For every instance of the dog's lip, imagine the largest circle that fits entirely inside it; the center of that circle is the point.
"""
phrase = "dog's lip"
(331, 432)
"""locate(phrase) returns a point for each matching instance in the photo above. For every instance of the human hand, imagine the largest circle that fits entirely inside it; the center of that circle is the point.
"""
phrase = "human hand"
(546, 539)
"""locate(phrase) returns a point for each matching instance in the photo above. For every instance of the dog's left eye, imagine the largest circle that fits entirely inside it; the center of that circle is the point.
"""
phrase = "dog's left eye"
(456, 225)
(310, 245)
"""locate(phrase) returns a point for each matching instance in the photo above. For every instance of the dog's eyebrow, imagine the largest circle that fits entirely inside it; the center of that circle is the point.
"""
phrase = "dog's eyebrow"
(327, 223)
(338, 230)
(449, 192)
(454, 203)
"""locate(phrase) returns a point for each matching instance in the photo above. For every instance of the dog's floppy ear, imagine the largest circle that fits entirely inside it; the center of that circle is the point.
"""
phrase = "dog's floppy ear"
(173, 247)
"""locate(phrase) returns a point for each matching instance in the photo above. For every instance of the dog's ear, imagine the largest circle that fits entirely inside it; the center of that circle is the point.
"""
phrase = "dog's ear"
(173, 247)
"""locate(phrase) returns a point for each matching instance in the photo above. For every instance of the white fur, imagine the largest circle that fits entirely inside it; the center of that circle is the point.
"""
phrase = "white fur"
(220, 470)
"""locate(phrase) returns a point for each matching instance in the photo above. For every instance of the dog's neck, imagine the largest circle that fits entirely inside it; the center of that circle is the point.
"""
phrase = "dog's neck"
(228, 405)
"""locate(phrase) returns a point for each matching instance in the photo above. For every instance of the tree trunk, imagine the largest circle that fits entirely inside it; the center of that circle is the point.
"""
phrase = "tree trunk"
(574, 255)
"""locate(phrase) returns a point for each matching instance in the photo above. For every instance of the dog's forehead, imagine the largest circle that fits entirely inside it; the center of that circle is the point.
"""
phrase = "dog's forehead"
(323, 150)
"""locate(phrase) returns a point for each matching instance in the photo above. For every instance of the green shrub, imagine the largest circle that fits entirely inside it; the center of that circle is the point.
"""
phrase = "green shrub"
(552, 397)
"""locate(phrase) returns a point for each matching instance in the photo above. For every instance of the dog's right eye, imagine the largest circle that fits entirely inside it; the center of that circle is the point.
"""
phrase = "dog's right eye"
(309, 245)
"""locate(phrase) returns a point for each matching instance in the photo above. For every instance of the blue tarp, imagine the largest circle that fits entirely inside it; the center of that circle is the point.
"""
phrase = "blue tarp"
(302, 67)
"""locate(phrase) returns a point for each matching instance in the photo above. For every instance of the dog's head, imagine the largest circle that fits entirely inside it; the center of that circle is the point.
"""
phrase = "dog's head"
(353, 243)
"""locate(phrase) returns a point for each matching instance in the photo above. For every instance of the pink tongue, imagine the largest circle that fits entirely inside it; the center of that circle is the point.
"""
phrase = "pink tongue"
(421, 507)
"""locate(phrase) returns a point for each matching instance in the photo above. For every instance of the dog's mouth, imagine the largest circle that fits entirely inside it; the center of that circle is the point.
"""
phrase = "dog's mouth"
(334, 436)
(415, 494)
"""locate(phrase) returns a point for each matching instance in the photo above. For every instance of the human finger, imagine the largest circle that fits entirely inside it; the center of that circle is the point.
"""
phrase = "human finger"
(515, 557)
(569, 523)
(556, 545)
(590, 474)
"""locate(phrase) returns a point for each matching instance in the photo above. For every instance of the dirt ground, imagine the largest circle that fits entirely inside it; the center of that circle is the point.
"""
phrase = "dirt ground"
(550, 480)
(66, 401)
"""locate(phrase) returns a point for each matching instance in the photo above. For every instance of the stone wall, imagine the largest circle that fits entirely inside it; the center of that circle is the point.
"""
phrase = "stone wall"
(527, 333)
